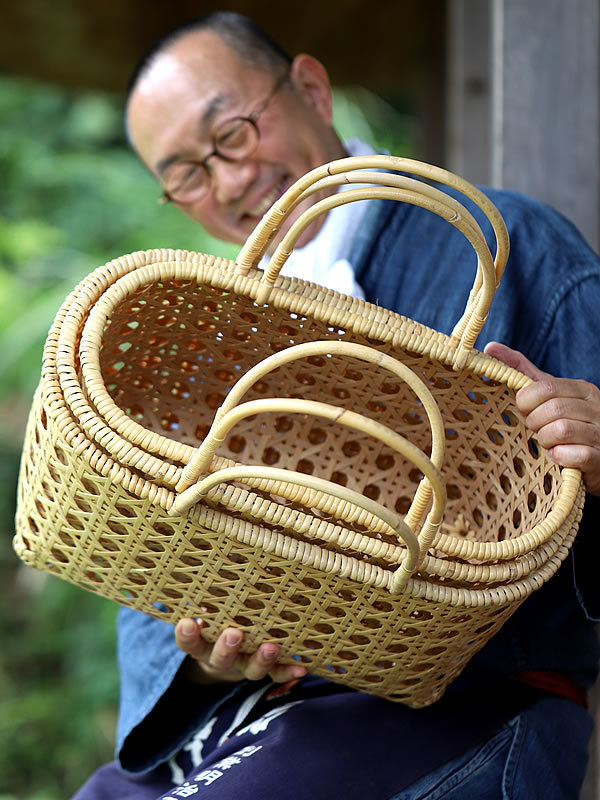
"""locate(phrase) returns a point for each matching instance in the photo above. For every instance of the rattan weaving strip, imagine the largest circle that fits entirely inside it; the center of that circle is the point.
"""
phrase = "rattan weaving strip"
(144, 374)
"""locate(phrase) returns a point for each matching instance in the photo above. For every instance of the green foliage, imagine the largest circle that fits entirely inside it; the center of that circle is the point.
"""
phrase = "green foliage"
(72, 197)
(389, 128)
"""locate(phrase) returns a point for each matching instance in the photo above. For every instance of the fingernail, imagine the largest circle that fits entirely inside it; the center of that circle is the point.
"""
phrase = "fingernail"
(269, 652)
(188, 628)
(233, 638)
(299, 672)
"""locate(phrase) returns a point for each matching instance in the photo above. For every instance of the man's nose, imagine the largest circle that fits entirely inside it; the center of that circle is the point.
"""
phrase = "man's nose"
(231, 179)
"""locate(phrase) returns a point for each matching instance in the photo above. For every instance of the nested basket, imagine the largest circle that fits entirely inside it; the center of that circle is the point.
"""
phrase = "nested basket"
(210, 440)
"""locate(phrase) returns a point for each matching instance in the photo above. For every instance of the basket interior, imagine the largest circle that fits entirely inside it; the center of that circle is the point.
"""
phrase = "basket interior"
(172, 351)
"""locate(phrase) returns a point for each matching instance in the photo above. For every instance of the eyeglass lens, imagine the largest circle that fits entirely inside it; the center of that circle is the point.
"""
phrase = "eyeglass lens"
(234, 140)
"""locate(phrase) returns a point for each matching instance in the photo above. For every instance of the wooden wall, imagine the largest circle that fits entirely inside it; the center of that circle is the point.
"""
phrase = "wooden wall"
(524, 100)
(392, 48)
(94, 43)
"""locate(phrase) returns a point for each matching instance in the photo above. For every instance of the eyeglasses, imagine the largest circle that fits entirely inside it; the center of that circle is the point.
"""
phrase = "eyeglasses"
(234, 140)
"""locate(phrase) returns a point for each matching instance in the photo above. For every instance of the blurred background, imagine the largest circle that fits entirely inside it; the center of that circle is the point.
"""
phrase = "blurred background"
(469, 84)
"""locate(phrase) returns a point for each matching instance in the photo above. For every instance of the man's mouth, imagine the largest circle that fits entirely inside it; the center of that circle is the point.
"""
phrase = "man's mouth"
(267, 201)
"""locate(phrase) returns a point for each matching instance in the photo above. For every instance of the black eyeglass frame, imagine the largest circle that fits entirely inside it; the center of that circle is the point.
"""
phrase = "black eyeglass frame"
(167, 197)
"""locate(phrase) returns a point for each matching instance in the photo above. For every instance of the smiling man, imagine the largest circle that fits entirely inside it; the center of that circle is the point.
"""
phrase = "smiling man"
(226, 122)
(226, 133)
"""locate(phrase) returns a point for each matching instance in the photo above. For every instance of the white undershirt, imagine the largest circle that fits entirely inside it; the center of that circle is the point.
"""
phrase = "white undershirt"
(324, 260)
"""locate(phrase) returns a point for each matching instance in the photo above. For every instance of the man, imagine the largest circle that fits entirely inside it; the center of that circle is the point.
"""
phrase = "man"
(290, 102)
(227, 122)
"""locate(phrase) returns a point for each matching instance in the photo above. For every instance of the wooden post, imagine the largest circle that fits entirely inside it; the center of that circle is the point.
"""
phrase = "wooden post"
(468, 134)
(523, 112)
(526, 114)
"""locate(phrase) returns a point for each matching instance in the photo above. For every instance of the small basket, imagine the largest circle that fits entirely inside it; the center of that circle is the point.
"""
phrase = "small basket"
(210, 440)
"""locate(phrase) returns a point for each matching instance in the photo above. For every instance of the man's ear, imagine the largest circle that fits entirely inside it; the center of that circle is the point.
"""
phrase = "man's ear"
(309, 77)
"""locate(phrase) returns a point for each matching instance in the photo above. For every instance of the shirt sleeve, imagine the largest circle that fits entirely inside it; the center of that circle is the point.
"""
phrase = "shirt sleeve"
(158, 710)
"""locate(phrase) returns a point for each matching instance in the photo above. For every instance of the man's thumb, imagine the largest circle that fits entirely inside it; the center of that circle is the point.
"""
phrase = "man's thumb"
(515, 359)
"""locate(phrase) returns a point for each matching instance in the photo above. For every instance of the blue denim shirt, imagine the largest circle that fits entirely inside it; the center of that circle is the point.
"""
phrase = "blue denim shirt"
(411, 261)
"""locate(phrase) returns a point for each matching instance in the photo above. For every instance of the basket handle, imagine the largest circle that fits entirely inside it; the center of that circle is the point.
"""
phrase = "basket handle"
(201, 460)
(417, 547)
(232, 412)
(396, 187)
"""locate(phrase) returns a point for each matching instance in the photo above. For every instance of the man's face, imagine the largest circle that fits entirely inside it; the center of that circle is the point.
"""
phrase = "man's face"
(199, 84)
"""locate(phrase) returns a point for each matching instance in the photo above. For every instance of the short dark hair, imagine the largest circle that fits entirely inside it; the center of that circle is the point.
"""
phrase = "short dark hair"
(250, 43)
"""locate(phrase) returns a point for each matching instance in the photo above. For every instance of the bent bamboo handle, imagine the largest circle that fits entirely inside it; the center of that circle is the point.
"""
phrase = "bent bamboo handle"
(231, 412)
(415, 550)
(202, 458)
(396, 187)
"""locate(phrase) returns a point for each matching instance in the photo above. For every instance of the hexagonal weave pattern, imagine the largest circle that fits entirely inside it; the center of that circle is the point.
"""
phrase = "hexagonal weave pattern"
(210, 440)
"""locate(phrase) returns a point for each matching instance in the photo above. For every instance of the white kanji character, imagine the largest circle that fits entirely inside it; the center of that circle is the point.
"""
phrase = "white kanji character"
(196, 743)
(209, 776)
(262, 723)
(177, 774)
(195, 747)
(228, 762)
(186, 790)
(249, 750)
(244, 710)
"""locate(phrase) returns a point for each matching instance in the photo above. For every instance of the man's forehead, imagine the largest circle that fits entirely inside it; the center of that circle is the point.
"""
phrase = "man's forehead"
(199, 70)
(199, 60)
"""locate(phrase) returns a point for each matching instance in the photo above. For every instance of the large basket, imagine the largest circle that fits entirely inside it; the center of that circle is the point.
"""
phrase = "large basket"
(210, 440)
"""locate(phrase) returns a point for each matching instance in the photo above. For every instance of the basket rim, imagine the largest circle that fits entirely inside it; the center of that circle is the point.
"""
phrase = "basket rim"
(85, 425)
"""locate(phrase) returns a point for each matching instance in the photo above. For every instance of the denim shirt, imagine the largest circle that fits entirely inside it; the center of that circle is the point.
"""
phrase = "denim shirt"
(548, 307)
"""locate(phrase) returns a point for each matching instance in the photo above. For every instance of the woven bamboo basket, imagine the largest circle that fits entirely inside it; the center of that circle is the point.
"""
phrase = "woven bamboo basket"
(212, 440)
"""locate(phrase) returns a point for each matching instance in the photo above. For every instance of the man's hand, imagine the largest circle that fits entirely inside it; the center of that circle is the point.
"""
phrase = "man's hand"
(223, 661)
(564, 413)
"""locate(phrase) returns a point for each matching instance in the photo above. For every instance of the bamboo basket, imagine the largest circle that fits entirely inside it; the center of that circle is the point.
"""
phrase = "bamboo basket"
(215, 441)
